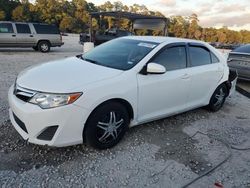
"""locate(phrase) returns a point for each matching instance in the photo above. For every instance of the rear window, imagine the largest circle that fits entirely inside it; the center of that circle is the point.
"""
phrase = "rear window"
(199, 56)
(46, 29)
(243, 49)
(6, 28)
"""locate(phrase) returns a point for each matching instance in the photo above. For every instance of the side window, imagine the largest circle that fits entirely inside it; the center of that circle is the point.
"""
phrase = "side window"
(23, 28)
(46, 29)
(172, 58)
(6, 28)
(215, 59)
(199, 56)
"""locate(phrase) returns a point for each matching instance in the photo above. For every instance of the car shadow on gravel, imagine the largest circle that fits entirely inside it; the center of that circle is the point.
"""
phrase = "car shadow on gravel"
(19, 156)
(173, 142)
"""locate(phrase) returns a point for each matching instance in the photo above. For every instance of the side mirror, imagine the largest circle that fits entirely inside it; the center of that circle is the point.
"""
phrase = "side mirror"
(155, 68)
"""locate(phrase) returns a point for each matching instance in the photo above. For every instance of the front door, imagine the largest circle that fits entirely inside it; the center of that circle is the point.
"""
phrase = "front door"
(164, 94)
(7, 35)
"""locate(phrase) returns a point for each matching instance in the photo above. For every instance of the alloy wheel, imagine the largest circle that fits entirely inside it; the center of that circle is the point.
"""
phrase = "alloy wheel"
(219, 97)
(109, 127)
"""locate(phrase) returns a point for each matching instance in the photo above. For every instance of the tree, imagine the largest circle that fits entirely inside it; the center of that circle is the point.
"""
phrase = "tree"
(194, 31)
(178, 26)
(2, 15)
(21, 13)
(118, 6)
(67, 24)
(7, 6)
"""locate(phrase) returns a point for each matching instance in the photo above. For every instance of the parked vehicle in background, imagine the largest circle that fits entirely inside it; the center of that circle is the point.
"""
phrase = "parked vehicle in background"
(125, 82)
(39, 36)
(239, 59)
(100, 38)
(224, 46)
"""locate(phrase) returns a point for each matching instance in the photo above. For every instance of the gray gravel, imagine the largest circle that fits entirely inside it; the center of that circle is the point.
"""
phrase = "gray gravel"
(156, 154)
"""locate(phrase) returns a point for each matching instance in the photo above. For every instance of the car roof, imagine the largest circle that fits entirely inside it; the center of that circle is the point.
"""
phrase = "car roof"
(242, 49)
(18, 22)
(160, 39)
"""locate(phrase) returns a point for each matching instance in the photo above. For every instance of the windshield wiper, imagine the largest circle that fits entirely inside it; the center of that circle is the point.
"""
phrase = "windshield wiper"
(89, 60)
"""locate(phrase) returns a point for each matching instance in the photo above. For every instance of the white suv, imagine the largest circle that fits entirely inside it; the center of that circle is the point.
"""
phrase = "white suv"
(119, 84)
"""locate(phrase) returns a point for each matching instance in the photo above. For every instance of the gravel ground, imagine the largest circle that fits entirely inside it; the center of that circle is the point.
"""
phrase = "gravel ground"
(157, 154)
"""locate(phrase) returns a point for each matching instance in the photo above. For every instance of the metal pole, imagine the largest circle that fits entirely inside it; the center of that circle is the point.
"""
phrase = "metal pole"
(90, 29)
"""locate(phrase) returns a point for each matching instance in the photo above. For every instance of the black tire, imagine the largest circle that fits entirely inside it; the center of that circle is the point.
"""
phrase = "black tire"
(35, 48)
(101, 131)
(44, 46)
(218, 98)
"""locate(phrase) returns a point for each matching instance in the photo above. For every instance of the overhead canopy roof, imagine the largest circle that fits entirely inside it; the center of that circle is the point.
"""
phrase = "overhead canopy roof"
(140, 21)
(128, 15)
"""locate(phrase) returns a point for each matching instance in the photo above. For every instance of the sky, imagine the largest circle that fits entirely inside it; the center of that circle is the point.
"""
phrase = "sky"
(212, 13)
(235, 14)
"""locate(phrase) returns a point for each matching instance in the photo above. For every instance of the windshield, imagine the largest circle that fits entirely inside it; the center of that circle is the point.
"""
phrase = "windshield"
(122, 54)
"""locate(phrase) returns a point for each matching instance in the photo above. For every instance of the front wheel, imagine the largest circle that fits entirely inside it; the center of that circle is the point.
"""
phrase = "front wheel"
(107, 125)
(218, 98)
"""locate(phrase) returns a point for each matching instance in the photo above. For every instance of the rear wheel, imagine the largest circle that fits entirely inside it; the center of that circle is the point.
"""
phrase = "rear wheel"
(218, 98)
(44, 46)
(107, 125)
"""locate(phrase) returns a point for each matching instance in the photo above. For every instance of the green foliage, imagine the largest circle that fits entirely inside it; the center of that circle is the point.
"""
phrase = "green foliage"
(188, 27)
(2, 15)
(73, 16)
(7, 6)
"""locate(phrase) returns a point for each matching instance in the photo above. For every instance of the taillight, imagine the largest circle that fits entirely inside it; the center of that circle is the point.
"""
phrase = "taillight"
(61, 37)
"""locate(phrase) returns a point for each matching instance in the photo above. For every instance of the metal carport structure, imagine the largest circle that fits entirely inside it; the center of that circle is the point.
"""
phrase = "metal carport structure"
(139, 21)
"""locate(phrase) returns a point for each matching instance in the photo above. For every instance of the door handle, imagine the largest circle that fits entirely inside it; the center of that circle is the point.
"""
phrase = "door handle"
(185, 76)
(31, 36)
(13, 35)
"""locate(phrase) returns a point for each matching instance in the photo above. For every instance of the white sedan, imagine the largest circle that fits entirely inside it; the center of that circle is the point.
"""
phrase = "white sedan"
(128, 81)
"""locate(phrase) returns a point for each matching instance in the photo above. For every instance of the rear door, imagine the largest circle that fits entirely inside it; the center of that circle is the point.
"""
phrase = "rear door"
(164, 94)
(24, 35)
(48, 32)
(7, 35)
(206, 71)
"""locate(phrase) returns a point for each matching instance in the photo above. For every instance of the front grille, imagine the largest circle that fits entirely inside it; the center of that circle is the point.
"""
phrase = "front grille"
(23, 94)
(48, 133)
(20, 123)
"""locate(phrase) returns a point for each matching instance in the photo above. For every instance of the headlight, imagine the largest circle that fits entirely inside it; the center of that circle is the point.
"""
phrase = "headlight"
(47, 100)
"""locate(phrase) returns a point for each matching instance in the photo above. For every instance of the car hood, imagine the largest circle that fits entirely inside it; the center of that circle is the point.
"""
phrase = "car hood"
(63, 76)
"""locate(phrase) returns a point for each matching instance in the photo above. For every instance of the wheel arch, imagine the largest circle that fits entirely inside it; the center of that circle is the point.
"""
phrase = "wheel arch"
(123, 102)
(41, 40)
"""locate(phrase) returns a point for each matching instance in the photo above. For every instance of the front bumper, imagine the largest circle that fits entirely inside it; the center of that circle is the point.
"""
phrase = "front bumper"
(70, 120)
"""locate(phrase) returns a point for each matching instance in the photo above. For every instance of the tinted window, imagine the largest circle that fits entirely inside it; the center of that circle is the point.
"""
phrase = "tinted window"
(120, 53)
(214, 58)
(172, 58)
(46, 29)
(6, 28)
(199, 56)
(243, 49)
(22, 28)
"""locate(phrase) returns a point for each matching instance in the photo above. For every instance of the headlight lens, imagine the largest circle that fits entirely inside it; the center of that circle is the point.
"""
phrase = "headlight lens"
(47, 100)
